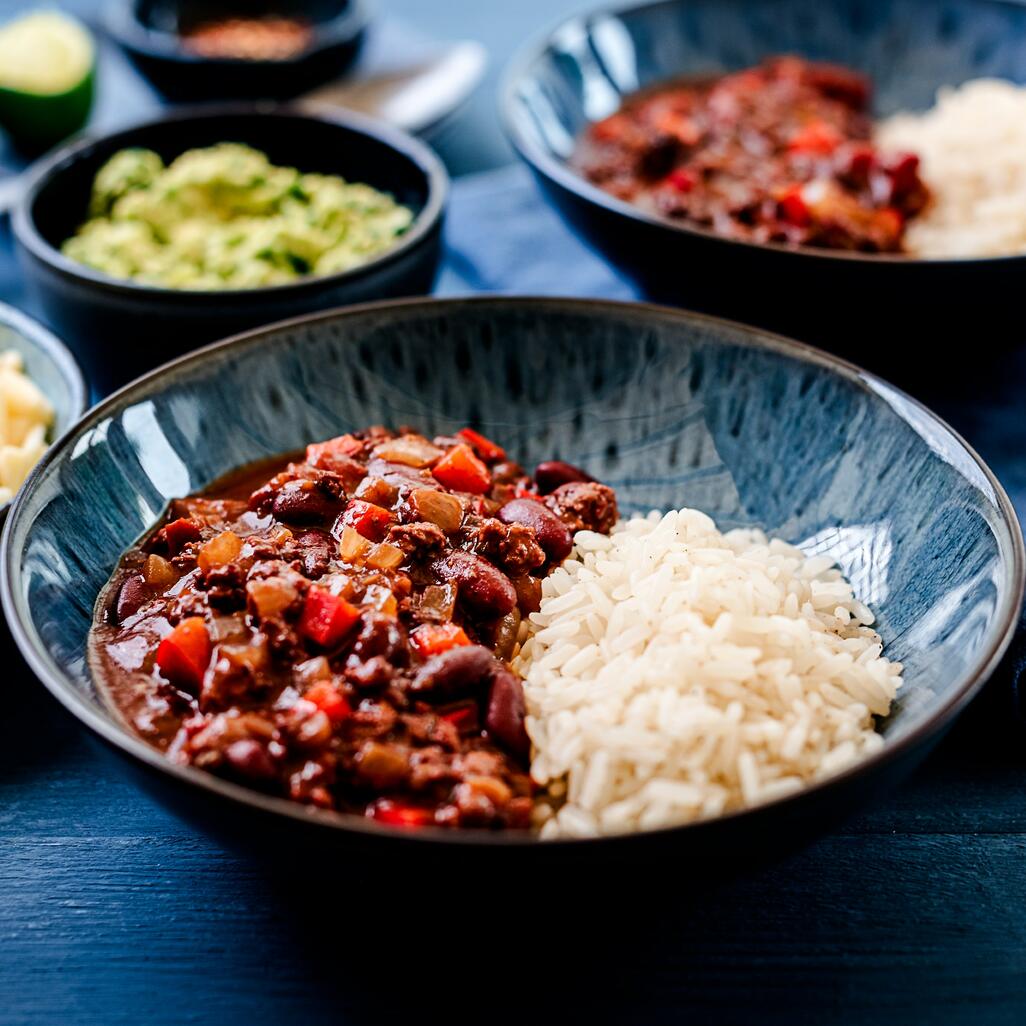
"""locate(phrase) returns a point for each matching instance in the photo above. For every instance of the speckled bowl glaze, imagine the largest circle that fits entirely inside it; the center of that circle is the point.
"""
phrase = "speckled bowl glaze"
(880, 308)
(668, 407)
(49, 364)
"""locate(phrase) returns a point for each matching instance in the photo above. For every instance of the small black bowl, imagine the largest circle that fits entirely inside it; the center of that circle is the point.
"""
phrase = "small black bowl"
(119, 328)
(150, 33)
(886, 311)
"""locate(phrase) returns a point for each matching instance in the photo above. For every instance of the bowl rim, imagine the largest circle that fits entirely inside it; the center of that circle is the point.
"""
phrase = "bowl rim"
(540, 160)
(105, 725)
(52, 166)
(58, 353)
(121, 19)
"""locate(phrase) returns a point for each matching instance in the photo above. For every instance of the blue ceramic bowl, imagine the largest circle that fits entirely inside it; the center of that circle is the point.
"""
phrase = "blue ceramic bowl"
(861, 304)
(49, 364)
(670, 408)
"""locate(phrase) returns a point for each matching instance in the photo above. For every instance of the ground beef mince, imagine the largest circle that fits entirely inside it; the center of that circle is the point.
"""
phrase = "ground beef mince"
(781, 152)
(337, 630)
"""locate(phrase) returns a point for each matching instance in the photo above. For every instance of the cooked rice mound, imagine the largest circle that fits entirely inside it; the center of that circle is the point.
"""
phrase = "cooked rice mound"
(972, 145)
(674, 673)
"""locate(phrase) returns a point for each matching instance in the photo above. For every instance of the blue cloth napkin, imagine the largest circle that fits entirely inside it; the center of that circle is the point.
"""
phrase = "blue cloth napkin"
(502, 237)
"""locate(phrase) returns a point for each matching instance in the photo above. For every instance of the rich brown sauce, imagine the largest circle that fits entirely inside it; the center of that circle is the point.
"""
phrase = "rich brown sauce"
(334, 627)
(781, 152)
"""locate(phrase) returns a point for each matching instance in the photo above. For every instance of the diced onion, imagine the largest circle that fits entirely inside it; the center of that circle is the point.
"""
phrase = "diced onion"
(221, 549)
(352, 546)
(312, 670)
(271, 596)
(384, 556)
(439, 508)
(159, 572)
(409, 450)
(438, 602)
(378, 491)
(381, 599)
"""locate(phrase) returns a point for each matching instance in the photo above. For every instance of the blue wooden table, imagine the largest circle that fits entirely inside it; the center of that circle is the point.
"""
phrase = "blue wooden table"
(113, 911)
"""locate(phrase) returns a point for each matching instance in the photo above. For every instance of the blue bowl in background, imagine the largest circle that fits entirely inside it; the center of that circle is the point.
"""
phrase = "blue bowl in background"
(670, 408)
(882, 309)
(49, 364)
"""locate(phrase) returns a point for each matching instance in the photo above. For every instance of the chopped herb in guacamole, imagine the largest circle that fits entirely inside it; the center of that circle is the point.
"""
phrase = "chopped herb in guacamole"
(225, 217)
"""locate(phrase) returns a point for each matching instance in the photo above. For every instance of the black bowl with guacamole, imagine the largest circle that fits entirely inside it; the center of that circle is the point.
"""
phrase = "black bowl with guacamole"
(120, 322)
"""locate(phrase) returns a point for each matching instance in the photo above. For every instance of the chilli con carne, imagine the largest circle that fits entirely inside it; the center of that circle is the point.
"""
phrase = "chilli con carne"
(781, 152)
(338, 632)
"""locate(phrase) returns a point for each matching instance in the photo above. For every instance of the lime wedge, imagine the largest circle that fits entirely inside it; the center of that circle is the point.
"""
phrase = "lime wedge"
(47, 63)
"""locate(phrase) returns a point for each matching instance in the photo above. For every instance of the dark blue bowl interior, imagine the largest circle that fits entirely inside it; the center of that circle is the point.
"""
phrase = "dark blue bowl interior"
(909, 48)
(671, 409)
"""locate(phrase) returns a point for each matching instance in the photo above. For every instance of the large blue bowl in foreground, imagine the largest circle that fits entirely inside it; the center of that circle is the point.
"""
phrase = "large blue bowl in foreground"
(670, 408)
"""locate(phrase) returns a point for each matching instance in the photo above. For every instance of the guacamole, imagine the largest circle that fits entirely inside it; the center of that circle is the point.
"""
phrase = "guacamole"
(225, 217)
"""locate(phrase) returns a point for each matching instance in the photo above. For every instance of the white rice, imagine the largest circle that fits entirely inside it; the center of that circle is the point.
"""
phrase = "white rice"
(674, 673)
(972, 145)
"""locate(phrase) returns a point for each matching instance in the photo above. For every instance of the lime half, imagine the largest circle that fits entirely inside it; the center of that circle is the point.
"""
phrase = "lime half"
(47, 63)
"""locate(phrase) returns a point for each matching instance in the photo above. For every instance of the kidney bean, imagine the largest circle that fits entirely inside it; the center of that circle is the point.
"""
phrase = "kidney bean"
(302, 502)
(132, 597)
(379, 635)
(481, 586)
(551, 532)
(553, 473)
(250, 759)
(504, 718)
(455, 673)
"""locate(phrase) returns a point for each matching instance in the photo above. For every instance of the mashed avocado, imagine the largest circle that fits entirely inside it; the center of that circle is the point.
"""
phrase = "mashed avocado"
(225, 217)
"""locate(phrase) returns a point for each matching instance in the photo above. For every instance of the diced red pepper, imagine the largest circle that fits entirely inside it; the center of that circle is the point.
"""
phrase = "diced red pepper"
(681, 179)
(401, 814)
(484, 447)
(460, 470)
(330, 701)
(367, 519)
(793, 208)
(178, 532)
(431, 638)
(464, 719)
(326, 618)
(183, 655)
(324, 454)
(819, 137)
